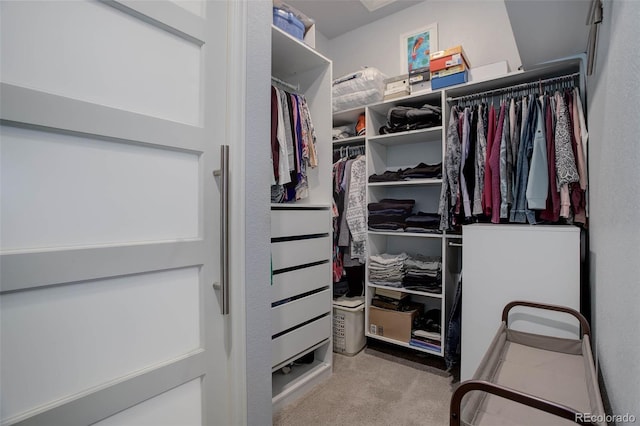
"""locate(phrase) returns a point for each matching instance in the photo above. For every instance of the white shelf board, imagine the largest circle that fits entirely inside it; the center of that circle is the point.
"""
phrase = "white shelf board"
(354, 140)
(407, 234)
(293, 358)
(432, 97)
(286, 64)
(299, 206)
(412, 182)
(404, 290)
(285, 384)
(431, 134)
(347, 117)
(406, 345)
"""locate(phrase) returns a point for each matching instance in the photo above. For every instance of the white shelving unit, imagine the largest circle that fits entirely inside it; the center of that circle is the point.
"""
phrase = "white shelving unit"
(390, 152)
(301, 239)
(407, 149)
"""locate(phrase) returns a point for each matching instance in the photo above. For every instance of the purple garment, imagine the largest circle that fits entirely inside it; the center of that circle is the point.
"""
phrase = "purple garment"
(494, 165)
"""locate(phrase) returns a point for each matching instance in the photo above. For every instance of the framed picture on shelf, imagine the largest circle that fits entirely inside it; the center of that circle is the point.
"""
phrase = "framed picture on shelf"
(415, 48)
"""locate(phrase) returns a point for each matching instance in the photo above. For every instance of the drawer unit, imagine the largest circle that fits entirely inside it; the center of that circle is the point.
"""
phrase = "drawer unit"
(299, 281)
(292, 222)
(298, 311)
(290, 344)
(287, 254)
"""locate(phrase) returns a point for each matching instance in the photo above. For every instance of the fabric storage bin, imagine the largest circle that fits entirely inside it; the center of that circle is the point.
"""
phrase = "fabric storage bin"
(348, 329)
(288, 23)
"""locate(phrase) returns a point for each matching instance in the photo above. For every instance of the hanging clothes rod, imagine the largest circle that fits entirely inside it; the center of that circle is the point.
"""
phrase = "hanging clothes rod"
(517, 87)
(295, 88)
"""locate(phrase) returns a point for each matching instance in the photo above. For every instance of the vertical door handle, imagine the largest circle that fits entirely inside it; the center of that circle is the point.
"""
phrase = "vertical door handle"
(223, 173)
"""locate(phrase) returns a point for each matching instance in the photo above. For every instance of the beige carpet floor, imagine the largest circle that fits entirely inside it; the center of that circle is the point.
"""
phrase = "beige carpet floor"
(373, 388)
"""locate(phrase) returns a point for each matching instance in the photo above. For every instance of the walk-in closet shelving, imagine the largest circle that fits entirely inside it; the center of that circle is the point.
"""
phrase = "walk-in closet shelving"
(390, 152)
(301, 238)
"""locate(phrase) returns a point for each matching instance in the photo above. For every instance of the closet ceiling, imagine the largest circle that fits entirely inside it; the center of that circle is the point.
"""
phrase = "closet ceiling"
(336, 17)
(548, 30)
(543, 30)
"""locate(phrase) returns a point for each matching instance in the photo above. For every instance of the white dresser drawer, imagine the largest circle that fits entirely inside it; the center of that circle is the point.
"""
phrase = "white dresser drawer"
(285, 254)
(290, 344)
(290, 314)
(298, 281)
(288, 223)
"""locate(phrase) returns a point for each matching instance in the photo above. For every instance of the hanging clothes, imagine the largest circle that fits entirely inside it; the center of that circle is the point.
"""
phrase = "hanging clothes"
(293, 146)
(565, 161)
(450, 187)
(481, 158)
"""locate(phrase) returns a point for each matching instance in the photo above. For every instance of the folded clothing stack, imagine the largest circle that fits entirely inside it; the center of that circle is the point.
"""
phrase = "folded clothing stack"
(389, 214)
(420, 273)
(421, 171)
(423, 222)
(423, 273)
(387, 269)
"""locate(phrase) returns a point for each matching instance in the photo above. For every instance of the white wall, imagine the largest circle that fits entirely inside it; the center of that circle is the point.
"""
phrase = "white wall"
(322, 44)
(258, 219)
(614, 155)
(481, 27)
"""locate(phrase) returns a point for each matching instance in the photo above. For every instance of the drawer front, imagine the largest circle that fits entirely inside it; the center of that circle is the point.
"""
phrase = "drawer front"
(288, 223)
(292, 283)
(290, 314)
(286, 254)
(289, 345)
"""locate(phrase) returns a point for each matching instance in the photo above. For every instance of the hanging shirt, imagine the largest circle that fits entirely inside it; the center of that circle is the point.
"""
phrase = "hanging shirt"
(565, 161)
(494, 165)
(520, 213)
(505, 167)
(356, 209)
(538, 180)
(487, 196)
(283, 156)
(552, 211)
(275, 147)
(584, 138)
(481, 159)
(451, 172)
(464, 153)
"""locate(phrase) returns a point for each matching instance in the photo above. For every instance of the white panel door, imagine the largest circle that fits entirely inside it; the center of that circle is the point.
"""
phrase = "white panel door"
(112, 118)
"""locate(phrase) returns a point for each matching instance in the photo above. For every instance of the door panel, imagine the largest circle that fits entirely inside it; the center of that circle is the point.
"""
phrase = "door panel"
(96, 53)
(112, 114)
(64, 340)
(153, 194)
(179, 406)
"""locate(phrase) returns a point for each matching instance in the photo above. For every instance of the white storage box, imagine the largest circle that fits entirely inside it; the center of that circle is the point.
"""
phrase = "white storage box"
(358, 89)
(348, 329)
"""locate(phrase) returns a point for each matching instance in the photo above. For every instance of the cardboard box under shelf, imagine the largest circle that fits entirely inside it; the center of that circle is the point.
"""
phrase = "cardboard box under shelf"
(394, 325)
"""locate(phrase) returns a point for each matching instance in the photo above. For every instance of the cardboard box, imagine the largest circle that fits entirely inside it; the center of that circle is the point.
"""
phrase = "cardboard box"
(394, 84)
(448, 52)
(419, 77)
(396, 87)
(448, 71)
(446, 62)
(394, 325)
(450, 80)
